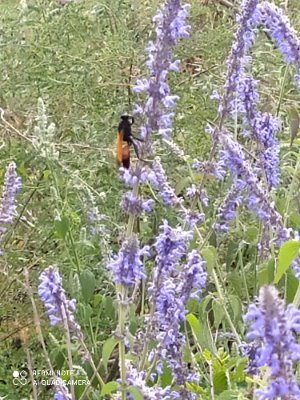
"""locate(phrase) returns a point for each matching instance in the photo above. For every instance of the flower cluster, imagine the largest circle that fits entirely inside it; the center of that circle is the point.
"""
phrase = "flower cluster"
(244, 39)
(159, 181)
(271, 330)
(246, 180)
(240, 91)
(138, 380)
(127, 267)
(156, 111)
(54, 298)
(61, 391)
(135, 205)
(263, 128)
(281, 31)
(12, 184)
(170, 26)
(174, 282)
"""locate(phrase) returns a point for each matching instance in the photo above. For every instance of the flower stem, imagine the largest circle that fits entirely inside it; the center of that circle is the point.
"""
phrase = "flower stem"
(223, 304)
(122, 294)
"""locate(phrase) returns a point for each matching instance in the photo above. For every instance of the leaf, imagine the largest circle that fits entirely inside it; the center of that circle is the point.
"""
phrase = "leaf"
(231, 255)
(108, 348)
(109, 388)
(291, 286)
(229, 395)
(209, 253)
(236, 306)
(166, 377)
(294, 122)
(202, 333)
(136, 393)
(251, 235)
(218, 312)
(287, 253)
(87, 282)
(265, 273)
(181, 185)
(109, 309)
(220, 382)
(61, 227)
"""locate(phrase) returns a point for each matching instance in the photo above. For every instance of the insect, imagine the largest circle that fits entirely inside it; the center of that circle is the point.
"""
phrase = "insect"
(125, 139)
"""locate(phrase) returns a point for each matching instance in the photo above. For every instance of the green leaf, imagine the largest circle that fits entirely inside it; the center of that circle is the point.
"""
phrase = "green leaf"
(209, 253)
(136, 393)
(220, 382)
(231, 255)
(108, 348)
(108, 305)
(294, 122)
(87, 282)
(291, 286)
(182, 184)
(287, 253)
(202, 333)
(109, 388)
(166, 377)
(236, 306)
(265, 273)
(229, 395)
(218, 312)
(251, 234)
(61, 227)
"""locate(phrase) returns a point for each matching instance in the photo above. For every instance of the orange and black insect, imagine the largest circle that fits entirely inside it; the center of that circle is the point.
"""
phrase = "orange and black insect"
(125, 139)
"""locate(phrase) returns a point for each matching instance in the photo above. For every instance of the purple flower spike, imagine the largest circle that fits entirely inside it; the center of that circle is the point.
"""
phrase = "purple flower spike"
(170, 27)
(12, 184)
(127, 267)
(281, 31)
(158, 179)
(56, 303)
(175, 281)
(135, 205)
(61, 390)
(271, 332)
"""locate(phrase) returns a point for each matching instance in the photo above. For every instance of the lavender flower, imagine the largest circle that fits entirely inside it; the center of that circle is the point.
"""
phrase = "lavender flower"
(192, 218)
(296, 267)
(127, 267)
(227, 210)
(53, 295)
(136, 174)
(171, 246)
(137, 379)
(135, 205)
(194, 278)
(170, 26)
(207, 168)
(12, 184)
(174, 282)
(263, 127)
(237, 60)
(245, 178)
(240, 94)
(61, 390)
(281, 31)
(159, 180)
(271, 331)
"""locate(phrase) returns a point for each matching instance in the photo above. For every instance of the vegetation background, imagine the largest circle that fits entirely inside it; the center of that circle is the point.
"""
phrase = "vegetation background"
(82, 60)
